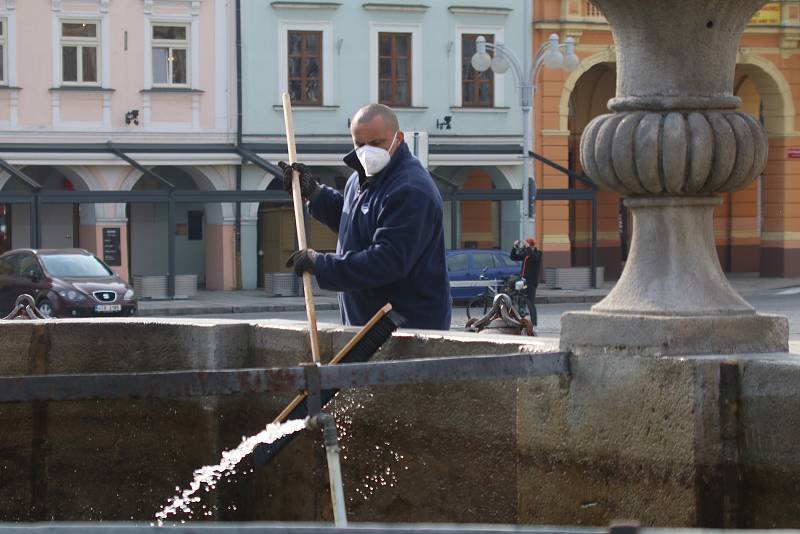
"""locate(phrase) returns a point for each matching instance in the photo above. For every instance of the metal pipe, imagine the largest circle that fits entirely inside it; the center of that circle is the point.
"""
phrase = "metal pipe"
(171, 227)
(327, 423)
(239, 104)
(138, 166)
(258, 161)
(238, 72)
(107, 527)
(237, 248)
(528, 131)
(34, 219)
(164, 384)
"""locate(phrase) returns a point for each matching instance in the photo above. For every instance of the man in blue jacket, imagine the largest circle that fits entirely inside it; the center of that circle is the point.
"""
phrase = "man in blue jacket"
(389, 221)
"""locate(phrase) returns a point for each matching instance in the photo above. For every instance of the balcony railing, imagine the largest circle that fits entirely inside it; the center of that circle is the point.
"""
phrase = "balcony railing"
(784, 13)
(591, 11)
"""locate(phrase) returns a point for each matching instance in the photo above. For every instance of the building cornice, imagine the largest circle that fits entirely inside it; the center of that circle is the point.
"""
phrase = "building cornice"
(405, 8)
(305, 5)
(194, 5)
(478, 10)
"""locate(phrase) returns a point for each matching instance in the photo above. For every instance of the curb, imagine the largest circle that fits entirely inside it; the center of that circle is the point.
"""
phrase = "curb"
(569, 299)
(215, 310)
(269, 308)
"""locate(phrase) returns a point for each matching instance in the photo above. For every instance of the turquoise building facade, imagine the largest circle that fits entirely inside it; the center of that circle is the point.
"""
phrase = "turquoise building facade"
(334, 57)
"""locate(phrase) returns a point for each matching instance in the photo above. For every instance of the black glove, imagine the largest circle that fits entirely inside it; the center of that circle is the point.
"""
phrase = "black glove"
(302, 261)
(309, 186)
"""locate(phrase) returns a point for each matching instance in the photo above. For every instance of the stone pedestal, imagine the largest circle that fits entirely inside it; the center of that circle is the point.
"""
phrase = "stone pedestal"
(672, 142)
(676, 300)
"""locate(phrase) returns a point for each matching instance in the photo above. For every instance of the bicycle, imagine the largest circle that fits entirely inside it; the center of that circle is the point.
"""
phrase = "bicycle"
(511, 286)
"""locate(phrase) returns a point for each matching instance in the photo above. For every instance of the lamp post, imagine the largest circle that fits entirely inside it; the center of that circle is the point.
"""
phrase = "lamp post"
(549, 55)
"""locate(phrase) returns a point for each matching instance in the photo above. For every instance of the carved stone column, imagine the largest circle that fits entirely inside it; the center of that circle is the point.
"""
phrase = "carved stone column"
(672, 142)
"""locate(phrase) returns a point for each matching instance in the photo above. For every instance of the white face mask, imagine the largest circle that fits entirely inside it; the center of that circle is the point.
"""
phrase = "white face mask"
(374, 159)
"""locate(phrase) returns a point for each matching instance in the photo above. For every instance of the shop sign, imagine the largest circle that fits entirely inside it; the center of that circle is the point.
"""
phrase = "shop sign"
(768, 14)
(111, 252)
(793, 153)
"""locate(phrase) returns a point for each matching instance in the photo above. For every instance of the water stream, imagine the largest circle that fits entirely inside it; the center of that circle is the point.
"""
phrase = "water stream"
(208, 476)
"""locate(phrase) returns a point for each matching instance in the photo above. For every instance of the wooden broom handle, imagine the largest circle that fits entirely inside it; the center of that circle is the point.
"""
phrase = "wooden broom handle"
(336, 359)
(297, 200)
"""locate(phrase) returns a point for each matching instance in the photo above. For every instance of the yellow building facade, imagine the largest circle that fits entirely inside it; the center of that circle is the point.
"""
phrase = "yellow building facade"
(757, 229)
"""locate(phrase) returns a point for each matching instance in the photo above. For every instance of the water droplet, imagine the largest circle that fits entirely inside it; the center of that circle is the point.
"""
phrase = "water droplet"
(208, 476)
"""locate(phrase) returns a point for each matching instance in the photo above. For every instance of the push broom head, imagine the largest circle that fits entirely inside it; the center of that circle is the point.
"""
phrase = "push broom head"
(371, 339)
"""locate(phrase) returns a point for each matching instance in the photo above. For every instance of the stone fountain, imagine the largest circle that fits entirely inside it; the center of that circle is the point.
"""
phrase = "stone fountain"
(673, 141)
(707, 438)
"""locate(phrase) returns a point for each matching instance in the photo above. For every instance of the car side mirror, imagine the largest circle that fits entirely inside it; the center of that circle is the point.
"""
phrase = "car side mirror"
(34, 276)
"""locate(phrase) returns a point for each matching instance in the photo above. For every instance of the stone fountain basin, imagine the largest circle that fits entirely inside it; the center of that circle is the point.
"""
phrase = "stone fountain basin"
(661, 439)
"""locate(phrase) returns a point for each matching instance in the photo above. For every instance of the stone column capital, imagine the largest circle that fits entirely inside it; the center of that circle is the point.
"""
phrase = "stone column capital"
(673, 153)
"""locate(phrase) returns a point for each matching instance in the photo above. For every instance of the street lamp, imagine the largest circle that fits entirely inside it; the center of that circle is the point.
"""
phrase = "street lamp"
(549, 55)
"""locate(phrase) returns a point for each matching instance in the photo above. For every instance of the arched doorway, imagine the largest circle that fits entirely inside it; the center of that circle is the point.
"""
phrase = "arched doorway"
(276, 234)
(147, 225)
(60, 223)
(588, 99)
(751, 225)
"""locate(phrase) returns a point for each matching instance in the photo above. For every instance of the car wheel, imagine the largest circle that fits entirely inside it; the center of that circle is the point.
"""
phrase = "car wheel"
(46, 307)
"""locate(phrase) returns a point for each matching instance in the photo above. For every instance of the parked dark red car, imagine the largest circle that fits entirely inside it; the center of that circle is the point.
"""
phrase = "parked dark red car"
(64, 283)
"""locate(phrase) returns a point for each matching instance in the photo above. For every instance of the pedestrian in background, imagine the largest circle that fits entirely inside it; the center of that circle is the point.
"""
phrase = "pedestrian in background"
(390, 229)
(531, 258)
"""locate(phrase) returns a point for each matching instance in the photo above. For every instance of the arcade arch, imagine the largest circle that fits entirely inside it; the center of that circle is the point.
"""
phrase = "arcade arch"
(480, 223)
(747, 218)
(146, 222)
(61, 223)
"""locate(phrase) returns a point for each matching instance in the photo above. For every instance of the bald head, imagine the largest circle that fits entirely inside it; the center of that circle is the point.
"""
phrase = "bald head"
(371, 111)
(376, 125)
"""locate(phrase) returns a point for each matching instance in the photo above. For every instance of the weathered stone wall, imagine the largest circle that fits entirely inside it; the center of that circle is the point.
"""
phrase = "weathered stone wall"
(669, 441)
(122, 459)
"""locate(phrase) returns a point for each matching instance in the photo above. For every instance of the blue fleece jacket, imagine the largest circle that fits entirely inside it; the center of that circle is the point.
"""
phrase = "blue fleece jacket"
(391, 244)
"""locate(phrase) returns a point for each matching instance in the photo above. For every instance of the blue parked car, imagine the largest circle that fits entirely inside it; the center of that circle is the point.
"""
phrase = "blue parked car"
(471, 270)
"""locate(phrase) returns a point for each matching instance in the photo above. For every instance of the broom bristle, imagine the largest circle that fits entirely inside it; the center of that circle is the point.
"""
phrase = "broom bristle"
(374, 338)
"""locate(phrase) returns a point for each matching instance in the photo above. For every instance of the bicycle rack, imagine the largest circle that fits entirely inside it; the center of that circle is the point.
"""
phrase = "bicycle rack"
(24, 308)
(503, 310)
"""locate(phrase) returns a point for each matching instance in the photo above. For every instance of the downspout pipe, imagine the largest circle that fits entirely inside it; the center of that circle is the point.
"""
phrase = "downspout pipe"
(327, 424)
(238, 222)
(238, 72)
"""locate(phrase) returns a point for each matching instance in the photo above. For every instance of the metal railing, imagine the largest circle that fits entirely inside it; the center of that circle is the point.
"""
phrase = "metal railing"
(62, 387)
(302, 528)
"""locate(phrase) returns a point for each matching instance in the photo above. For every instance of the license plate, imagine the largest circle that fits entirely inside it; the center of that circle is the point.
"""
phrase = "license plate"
(108, 308)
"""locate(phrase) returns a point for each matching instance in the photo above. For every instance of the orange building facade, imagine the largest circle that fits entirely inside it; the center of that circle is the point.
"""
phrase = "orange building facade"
(757, 228)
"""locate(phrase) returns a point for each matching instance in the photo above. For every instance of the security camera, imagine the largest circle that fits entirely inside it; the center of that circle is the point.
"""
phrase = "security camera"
(132, 116)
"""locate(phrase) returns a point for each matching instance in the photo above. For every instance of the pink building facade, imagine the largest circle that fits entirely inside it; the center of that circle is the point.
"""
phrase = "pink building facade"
(156, 80)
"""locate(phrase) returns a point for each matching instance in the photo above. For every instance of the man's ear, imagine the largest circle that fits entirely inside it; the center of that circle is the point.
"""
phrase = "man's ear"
(399, 137)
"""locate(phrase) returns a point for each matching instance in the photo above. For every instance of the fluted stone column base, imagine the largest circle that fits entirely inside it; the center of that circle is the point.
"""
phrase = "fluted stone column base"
(673, 297)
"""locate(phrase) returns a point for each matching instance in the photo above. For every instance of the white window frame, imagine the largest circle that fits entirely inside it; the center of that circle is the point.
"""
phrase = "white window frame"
(193, 61)
(326, 27)
(172, 44)
(80, 42)
(416, 58)
(499, 79)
